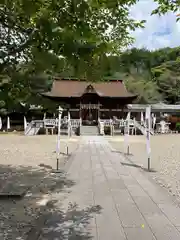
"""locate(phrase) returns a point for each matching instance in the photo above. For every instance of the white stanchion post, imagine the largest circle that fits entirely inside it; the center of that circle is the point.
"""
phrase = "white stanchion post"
(69, 133)
(142, 118)
(60, 110)
(69, 125)
(0, 123)
(25, 123)
(128, 151)
(148, 129)
(8, 123)
(126, 137)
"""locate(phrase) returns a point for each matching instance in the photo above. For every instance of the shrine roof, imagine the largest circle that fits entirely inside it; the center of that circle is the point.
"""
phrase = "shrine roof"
(76, 88)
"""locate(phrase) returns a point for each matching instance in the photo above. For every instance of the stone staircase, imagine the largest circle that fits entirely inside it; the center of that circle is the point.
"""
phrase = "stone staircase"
(89, 130)
(33, 131)
(33, 128)
(142, 128)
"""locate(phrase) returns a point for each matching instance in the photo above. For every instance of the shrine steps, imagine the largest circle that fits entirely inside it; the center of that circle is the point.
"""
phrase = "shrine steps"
(89, 130)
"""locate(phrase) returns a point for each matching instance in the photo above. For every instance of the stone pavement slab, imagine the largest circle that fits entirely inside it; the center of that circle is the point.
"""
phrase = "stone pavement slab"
(139, 233)
(111, 201)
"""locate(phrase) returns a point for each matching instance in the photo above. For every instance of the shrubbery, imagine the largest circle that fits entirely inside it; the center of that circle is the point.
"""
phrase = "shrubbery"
(178, 126)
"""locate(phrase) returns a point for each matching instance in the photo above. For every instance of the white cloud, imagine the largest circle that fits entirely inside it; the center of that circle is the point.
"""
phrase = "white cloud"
(159, 32)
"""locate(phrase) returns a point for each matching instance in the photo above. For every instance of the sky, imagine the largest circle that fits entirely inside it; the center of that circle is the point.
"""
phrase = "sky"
(159, 32)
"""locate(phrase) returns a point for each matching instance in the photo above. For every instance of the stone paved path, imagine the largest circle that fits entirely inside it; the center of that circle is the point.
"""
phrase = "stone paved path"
(114, 201)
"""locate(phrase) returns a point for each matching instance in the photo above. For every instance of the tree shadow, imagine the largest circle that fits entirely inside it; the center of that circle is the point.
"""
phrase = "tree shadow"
(65, 153)
(150, 170)
(72, 224)
(138, 166)
(131, 165)
(17, 215)
(123, 153)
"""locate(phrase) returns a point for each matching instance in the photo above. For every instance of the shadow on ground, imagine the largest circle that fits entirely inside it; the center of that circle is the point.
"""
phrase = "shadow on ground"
(26, 220)
(125, 154)
(150, 170)
(65, 153)
(131, 165)
(17, 216)
(73, 224)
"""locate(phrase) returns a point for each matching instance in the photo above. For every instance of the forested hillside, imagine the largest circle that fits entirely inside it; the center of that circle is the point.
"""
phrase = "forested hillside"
(154, 76)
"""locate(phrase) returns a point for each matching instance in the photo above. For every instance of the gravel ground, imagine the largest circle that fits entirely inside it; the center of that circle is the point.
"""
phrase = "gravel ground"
(33, 150)
(28, 161)
(165, 158)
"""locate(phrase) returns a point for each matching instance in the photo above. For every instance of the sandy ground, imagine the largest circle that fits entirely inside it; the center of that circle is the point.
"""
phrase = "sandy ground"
(33, 150)
(26, 162)
(165, 157)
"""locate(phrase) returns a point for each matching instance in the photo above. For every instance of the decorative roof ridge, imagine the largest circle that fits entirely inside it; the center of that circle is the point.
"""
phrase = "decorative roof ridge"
(105, 80)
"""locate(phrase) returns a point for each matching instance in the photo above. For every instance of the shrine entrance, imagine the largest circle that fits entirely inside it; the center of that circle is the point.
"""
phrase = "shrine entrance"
(89, 114)
(89, 106)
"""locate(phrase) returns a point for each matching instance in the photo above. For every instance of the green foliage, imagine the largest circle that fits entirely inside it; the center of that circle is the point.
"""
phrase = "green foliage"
(153, 76)
(78, 30)
(165, 6)
(167, 77)
(23, 86)
(147, 90)
(43, 38)
(178, 126)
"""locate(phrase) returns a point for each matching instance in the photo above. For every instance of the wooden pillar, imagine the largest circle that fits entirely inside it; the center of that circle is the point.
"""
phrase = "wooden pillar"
(111, 128)
(99, 113)
(123, 111)
(69, 117)
(52, 131)
(80, 112)
(110, 111)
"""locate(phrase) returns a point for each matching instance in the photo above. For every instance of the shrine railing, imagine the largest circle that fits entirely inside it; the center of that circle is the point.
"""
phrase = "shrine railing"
(54, 122)
(106, 122)
(75, 123)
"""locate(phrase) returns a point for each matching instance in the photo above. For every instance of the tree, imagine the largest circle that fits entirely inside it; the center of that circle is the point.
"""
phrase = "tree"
(75, 29)
(79, 30)
(23, 85)
(165, 6)
(141, 85)
(167, 78)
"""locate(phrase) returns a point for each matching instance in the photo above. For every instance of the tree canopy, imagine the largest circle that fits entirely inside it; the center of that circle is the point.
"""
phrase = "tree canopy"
(43, 38)
(79, 30)
(165, 6)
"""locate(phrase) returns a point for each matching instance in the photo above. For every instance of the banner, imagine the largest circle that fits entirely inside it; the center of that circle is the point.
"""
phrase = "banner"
(148, 130)
(60, 110)
(148, 113)
(142, 118)
(25, 123)
(126, 132)
(0, 123)
(8, 123)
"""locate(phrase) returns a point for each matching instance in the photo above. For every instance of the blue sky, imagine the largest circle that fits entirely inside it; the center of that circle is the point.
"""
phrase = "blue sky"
(159, 32)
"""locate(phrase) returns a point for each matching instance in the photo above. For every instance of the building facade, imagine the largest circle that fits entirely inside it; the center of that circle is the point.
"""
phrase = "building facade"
(90, 101)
